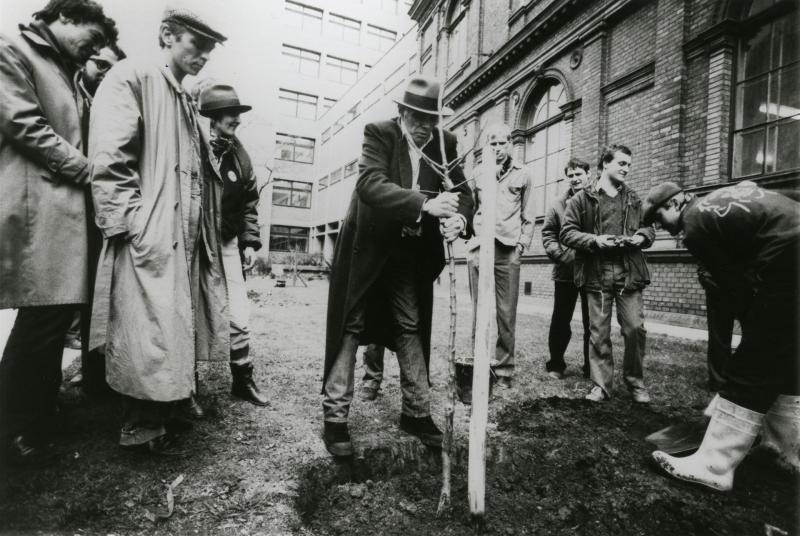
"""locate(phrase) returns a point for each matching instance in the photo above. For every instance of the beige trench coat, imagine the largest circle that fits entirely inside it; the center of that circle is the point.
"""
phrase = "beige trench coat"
(160, 298)
(43, 177)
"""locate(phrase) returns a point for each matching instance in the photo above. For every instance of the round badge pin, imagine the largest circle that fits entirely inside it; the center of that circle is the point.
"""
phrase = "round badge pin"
(232, 176)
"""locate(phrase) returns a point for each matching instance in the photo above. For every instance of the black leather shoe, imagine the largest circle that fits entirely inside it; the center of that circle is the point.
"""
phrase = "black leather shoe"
(194, 409)
(244, 386)
(337, 439)
(22, 448)
(423, 428)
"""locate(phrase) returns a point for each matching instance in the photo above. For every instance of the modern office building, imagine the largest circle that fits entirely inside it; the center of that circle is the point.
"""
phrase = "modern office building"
(321, 49)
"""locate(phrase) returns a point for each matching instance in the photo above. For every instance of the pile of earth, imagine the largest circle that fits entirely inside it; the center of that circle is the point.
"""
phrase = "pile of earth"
(557, 466)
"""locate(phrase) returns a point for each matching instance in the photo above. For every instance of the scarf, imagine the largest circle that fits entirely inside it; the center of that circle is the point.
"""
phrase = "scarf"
(221, 145)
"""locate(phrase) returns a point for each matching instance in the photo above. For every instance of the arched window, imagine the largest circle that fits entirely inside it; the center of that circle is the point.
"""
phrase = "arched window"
(766, 136)
(547, 145)
(456, 36)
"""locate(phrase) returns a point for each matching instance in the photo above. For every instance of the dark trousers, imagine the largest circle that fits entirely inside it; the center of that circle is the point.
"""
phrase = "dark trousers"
(399, 280)
(564, 298)
(373, 366)
(765, 364)
(720, 314)
(30, 371)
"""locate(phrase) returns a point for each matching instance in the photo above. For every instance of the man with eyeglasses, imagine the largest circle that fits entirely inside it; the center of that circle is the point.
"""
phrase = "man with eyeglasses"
(86, 82)
(513, 231)
(157, 195)
(44, 175)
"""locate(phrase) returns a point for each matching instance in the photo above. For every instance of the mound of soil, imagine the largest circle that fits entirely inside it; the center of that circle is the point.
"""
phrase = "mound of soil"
(557, 466)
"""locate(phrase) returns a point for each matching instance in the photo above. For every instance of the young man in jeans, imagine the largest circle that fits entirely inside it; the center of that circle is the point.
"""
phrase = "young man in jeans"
(565, 293)
(604, 226)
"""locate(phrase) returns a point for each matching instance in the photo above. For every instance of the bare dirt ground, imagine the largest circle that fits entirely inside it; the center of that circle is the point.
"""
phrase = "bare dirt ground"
(558, 464)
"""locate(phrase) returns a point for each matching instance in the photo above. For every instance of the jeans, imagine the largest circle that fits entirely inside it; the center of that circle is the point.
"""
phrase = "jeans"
(30, 370)
(564, 298)
(506, 287)
(630, 315)
(373, 366)
(399, 280)
(239, 306)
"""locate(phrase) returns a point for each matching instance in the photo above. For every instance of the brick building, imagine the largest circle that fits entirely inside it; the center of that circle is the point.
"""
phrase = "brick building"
(704, 92)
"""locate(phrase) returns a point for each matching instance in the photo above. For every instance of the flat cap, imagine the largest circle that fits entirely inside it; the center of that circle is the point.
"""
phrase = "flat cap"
(657, 196)
(193, 22)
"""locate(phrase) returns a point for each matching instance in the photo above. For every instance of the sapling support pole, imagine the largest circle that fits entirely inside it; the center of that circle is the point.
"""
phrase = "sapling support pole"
(484, 342)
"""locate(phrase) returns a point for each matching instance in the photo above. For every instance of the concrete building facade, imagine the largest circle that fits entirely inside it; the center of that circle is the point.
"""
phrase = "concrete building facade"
(704, 92)
(321, 49)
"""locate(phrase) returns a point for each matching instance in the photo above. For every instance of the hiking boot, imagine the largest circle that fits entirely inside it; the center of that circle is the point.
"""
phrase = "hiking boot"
(596, 394)
(640, 395)
(337, 439)
(423, 428)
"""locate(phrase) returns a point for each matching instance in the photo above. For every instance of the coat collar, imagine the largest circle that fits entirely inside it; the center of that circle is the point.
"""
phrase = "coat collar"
(39, 35)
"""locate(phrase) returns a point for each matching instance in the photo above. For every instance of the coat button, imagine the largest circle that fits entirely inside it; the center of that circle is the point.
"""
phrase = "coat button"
(174, 245)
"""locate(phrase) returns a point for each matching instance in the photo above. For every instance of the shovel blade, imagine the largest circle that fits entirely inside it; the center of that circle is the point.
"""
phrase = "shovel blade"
(682, 438)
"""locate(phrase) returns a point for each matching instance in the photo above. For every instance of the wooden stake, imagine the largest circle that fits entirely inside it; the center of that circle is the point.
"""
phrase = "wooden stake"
(484, 341)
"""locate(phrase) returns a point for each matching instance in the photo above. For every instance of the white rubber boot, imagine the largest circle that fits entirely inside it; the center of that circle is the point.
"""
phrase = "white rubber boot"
(781, 432)
(728, 438)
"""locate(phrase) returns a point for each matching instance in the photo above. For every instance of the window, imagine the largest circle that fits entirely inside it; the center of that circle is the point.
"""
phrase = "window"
(291, 194)
(456, 37)
(294, 148)
(394, 79)
(365, 69)
(285, 238)
(326, 135)
(380, 38)
(304, 17)
(346, 29)
(338, 125)
(296, 104)
(336, 176)
(547, 145)
(323, 183)
(372, 97)
(352, 113)
(351, 168)
(767, 116)
(340, 70)
(301, 61)
(327, 103)
(412, 64)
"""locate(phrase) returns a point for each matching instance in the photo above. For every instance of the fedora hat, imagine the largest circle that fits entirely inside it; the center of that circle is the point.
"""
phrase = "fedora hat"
(218, 97)
(422, 95)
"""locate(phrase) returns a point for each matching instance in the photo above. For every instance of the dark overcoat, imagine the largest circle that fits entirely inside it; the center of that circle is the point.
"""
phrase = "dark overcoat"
(382, 202)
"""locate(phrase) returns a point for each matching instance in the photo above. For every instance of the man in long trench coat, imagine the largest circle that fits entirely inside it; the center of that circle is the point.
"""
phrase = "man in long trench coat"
(44, 176)
(387, 256)
(160, 299)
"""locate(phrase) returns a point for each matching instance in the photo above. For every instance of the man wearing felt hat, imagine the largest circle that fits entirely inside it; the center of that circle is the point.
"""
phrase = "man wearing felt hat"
(749, 239)
(240, 234)
(157, 195)
(388, 254)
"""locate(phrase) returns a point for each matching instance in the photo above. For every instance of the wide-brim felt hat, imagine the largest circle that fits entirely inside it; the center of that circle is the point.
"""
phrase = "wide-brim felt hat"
(422, 95)
(220, 97)
(193, 22)
(657, 196)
